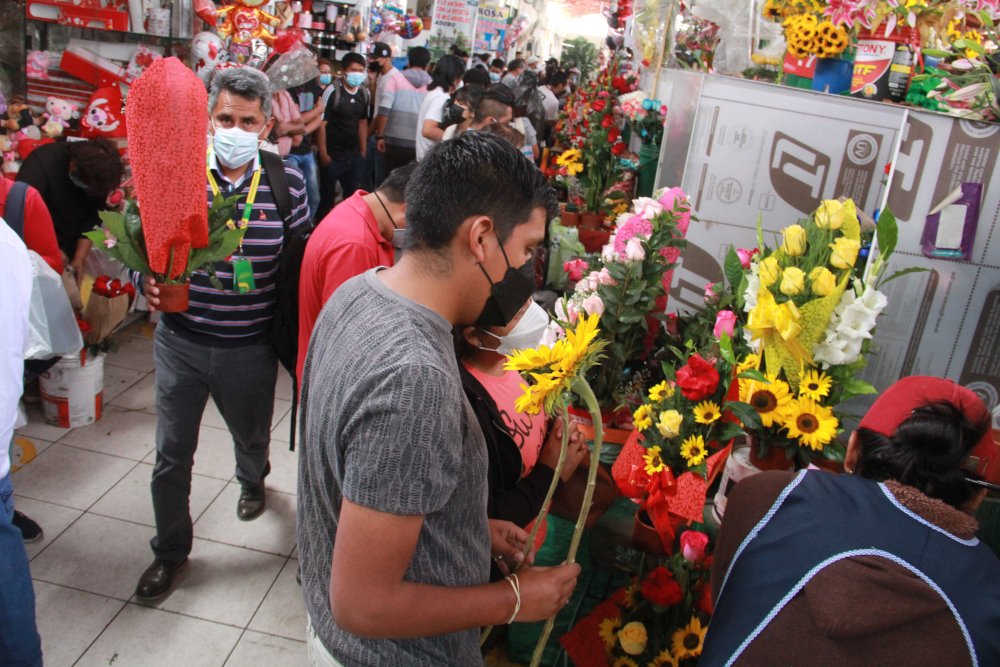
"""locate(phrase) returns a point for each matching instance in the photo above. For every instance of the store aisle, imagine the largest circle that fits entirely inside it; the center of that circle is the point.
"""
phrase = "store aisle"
(236, 603)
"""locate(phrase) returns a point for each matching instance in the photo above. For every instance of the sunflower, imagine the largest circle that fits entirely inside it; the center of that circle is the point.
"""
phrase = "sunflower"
(533, 399)
(831, 40)
(624, 662)
(693, 450)
(654, 462)
(707, 412)
(813, 424)
(687, 642)
(769, 399)
(578, 343)
(629, 598)
(659, 392)
(664, 659)
(749, 363)
(608, 630)
(643, 417)
(815, 385)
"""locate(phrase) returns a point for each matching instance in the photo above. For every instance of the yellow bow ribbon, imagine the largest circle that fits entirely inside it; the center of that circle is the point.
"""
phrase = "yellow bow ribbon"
(778, 325)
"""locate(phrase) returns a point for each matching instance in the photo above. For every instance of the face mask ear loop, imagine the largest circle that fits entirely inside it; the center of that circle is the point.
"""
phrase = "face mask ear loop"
(504, 252)
(386, 209)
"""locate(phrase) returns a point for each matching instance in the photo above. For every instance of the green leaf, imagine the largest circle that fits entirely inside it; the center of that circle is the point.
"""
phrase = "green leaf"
(903, 272)
(754, 374)
(728, 431)
(937, 53)
(887, 233)
(726, 349)
(858, 387)
(746, 414)
(733, 269)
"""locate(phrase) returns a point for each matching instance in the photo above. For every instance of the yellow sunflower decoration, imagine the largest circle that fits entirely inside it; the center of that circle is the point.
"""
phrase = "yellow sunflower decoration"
(812, 424)
(800, 34)
(571, 161)
(654, 460)
(693, 450)
(831, 40)
(661, 391)
(643, 417)
(771, 400)
(688, 642)
(707, 412)
(624, 662)
(750, 362)
(664, 659)
(608, 630)
(815, 385)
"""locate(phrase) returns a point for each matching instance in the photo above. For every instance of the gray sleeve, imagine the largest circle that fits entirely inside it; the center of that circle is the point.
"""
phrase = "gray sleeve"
(403, 445)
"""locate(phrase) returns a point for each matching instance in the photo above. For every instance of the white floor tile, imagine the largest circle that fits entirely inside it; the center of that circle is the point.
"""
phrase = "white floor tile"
(147, 637)
(258, 649)
(126, 433)
(283, 387)
(70, 476)
(222, 583)
(37, 428)
(119, 380)
(284, 469)
(281, 431)
(133, 352)
(24, 450)
(69, 620)
(130, 499)
(283, 612)
(272, 532)
(53, 519)
(98, 555)
(140, 396)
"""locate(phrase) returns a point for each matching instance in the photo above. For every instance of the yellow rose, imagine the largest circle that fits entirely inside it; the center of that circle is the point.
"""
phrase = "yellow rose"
(769, 272)
(830, 214)
(669, 424)
(633, 638)
(845, 252)
(792, 281)
(794, 240)
(823, 281)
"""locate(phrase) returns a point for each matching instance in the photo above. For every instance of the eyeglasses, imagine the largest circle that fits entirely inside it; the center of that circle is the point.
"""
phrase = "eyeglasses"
(986, 485)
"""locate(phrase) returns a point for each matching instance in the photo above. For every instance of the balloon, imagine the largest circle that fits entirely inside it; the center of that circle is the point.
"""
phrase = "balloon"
(287, 39)
(409, 26)
(206, 52)
(395, 9)
(375, 24)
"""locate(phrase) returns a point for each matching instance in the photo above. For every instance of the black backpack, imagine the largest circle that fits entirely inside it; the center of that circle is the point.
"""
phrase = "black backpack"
(284, 331)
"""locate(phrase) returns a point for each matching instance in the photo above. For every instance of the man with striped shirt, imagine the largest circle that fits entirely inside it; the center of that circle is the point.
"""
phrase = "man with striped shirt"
(219, 346)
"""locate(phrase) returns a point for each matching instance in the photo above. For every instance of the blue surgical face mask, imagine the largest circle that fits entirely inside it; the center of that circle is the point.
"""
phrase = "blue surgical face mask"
(494, 77)
(325, 79)
(355, 79)
(234, 147)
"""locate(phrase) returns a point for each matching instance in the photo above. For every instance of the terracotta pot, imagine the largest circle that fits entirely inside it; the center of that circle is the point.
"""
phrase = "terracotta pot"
(592, 239)
(774, 459)
(591, 220)
(644, 536)
(173, 297)
(569, 218)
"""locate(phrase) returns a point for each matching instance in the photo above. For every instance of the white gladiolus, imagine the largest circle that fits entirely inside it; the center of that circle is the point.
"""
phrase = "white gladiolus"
(852, 323)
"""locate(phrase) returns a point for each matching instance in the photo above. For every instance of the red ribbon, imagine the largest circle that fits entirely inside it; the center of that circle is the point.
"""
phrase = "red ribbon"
(656, 503)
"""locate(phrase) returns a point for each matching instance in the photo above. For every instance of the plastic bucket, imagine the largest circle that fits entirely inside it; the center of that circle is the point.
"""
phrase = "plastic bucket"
(738, 467)
(72, 391)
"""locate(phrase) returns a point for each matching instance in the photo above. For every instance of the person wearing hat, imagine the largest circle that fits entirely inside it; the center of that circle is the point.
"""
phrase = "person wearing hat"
(880, 566)
(398, 99)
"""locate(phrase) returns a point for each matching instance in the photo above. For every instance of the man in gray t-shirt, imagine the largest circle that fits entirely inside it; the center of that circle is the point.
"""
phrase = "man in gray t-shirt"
(393, 537)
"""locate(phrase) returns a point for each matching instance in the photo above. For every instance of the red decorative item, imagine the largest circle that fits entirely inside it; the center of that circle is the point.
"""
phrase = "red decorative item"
(583, 643)
(629, 469)
(244, 21)
(78, 14)
(698, 378)
(661, 588)
(104, 116)
(167, 125)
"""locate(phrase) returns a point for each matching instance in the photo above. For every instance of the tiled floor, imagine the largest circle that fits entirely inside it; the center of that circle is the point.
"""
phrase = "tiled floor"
(236, 603)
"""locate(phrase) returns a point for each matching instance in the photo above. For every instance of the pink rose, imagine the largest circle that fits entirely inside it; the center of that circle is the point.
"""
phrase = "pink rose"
(593, 305)
(575, 268)
(634, 252)
(725, 322)
(604, 277)
(647, 207)
(592, 281)
(693, 545)
(711, 296)
(746, 255)
(673, 199)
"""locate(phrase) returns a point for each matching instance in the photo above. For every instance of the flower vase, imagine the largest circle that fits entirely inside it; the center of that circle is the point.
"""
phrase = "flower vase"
(774, 458)
(644, 536)
(833, 75)
(744, 462)
(173, 297)
(591, 220)
(649, 161)
(569, 218)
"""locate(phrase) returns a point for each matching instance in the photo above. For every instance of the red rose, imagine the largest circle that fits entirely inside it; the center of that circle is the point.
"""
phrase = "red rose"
(607, 121)
(660, 588)
(599, 104)
(673, 328)
(698, 379)
(613, 134)
(704, 601)
(618, 149)
(693, 544)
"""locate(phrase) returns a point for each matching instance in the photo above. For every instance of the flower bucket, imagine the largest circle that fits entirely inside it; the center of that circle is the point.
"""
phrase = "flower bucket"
(884, 65)
(173, 298)
(72, 391)
(833, 75)
(644, 536)
(593, 239)
(569, 218)
(649, 160)
(591, 220)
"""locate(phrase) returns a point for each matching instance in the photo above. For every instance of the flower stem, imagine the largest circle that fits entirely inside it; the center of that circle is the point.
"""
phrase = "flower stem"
(583, 390)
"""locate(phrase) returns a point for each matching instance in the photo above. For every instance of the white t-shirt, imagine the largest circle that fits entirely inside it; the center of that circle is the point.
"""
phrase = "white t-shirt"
(549, 102)
(15, 300)
(432, 108)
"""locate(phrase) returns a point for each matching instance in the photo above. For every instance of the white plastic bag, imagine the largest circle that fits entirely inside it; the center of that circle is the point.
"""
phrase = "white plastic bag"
(53, 330)
(740, 28)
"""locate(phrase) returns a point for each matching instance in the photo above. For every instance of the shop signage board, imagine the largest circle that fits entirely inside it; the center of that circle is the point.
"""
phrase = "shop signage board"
(454, 17)
(491, 27)
(745, 149)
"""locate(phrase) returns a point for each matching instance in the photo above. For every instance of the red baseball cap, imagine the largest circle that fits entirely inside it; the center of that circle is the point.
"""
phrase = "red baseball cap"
(896, 404)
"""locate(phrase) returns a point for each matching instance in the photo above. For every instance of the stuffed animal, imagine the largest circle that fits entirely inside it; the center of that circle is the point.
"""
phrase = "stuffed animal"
(58, 115)
(244, 21)
(37, 65)
(207, 51)
(104, 116)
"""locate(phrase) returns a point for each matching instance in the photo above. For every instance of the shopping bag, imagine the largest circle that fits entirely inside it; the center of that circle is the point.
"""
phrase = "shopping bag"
(104, 315)
(53, 330)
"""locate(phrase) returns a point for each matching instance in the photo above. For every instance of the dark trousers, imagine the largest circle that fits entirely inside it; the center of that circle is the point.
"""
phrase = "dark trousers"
(374, 169)
(241, 382)
(20, 645)
(397, 156)
(347, 172)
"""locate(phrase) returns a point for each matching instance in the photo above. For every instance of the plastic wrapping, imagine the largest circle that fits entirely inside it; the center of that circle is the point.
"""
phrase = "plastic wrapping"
(293, 68)
(739, 27)
(53, 330)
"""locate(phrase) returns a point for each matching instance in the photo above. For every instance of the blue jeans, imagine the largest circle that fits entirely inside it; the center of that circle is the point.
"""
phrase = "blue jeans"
(374, 172)
(347, 171)
(20, 645)
(307, 165)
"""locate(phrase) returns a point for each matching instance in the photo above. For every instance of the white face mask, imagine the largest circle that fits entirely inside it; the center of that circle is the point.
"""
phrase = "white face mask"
(527, 333)
(234, 147)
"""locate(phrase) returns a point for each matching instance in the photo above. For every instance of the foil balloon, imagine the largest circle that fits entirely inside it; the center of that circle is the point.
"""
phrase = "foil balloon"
(375, 24)
(206, 52)
(409, 26)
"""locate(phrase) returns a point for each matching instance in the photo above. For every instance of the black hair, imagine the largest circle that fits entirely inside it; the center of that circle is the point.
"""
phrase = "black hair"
(418, 56)
(352, 57)
(394, 186)
(498, 63)
(492, 103)
(456, 51)
(98, 164)
(470, 94)
(476, 77)
(324, 61)
(557, 79)
(474, 174)
(552, 61)
(515, 64)
(447, 70)
(926, 451)
(485, 57)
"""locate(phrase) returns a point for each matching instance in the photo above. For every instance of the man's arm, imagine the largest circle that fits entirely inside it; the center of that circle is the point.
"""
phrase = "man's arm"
(324, 155)
(39, 232)
(363, 137)
(370, 598)
(83, 245)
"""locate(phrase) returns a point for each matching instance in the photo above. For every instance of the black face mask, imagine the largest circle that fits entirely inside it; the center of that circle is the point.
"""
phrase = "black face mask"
(508, 296)
(374, 67)
(456, 114)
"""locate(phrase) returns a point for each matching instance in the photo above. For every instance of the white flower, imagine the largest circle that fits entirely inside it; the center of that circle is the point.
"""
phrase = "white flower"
(647, 207)
(753, 288)
(634, 251)
(593, 304)
(853, 321)
(562, 310)
(552, 333)
(608, 253)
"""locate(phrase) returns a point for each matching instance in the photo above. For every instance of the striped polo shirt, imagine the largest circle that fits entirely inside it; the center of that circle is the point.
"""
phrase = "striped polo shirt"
(224, 318)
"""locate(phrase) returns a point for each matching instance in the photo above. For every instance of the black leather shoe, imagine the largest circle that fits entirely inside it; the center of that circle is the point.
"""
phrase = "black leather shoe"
(30, 531)
(251, 503)
(158, 580)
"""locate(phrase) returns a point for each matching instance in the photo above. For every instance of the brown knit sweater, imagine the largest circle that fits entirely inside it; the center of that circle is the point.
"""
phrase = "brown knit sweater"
(859, 611)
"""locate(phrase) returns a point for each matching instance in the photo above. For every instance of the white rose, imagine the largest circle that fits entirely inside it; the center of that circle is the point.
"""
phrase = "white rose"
(634, 251)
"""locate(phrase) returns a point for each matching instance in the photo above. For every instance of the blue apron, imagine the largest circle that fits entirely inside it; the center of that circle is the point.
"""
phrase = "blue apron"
(820, 519)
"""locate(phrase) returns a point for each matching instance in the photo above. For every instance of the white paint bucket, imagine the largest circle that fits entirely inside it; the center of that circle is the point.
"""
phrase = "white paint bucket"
(738, 467)
(72, 391)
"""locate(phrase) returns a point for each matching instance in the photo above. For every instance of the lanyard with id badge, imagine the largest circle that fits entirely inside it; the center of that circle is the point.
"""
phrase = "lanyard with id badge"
(243, 281)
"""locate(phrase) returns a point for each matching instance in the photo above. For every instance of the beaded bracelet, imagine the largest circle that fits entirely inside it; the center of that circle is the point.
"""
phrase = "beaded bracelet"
(516, 585)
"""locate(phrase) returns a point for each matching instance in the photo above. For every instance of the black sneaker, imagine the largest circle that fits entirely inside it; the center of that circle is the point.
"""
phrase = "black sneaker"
(30, 531)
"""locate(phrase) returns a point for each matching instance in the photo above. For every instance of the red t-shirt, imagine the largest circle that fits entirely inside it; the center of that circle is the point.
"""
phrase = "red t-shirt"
(345, 244)
(39, 233)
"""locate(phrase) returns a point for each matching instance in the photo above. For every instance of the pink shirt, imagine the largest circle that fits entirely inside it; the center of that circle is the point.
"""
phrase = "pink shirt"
(528, 431)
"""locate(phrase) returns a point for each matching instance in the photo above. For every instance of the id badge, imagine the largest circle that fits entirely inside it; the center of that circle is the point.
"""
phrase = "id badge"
(243, 281)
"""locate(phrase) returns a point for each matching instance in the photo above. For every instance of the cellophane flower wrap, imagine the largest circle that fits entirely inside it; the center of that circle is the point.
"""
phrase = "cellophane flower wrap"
(166, 113)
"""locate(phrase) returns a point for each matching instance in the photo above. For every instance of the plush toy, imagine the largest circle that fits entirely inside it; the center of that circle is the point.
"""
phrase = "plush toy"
(141, 60)
(17, 115)
(104, 116)
(207, 51)
(37, 65)
(57, 116)
(11, 161)
(244, 21)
